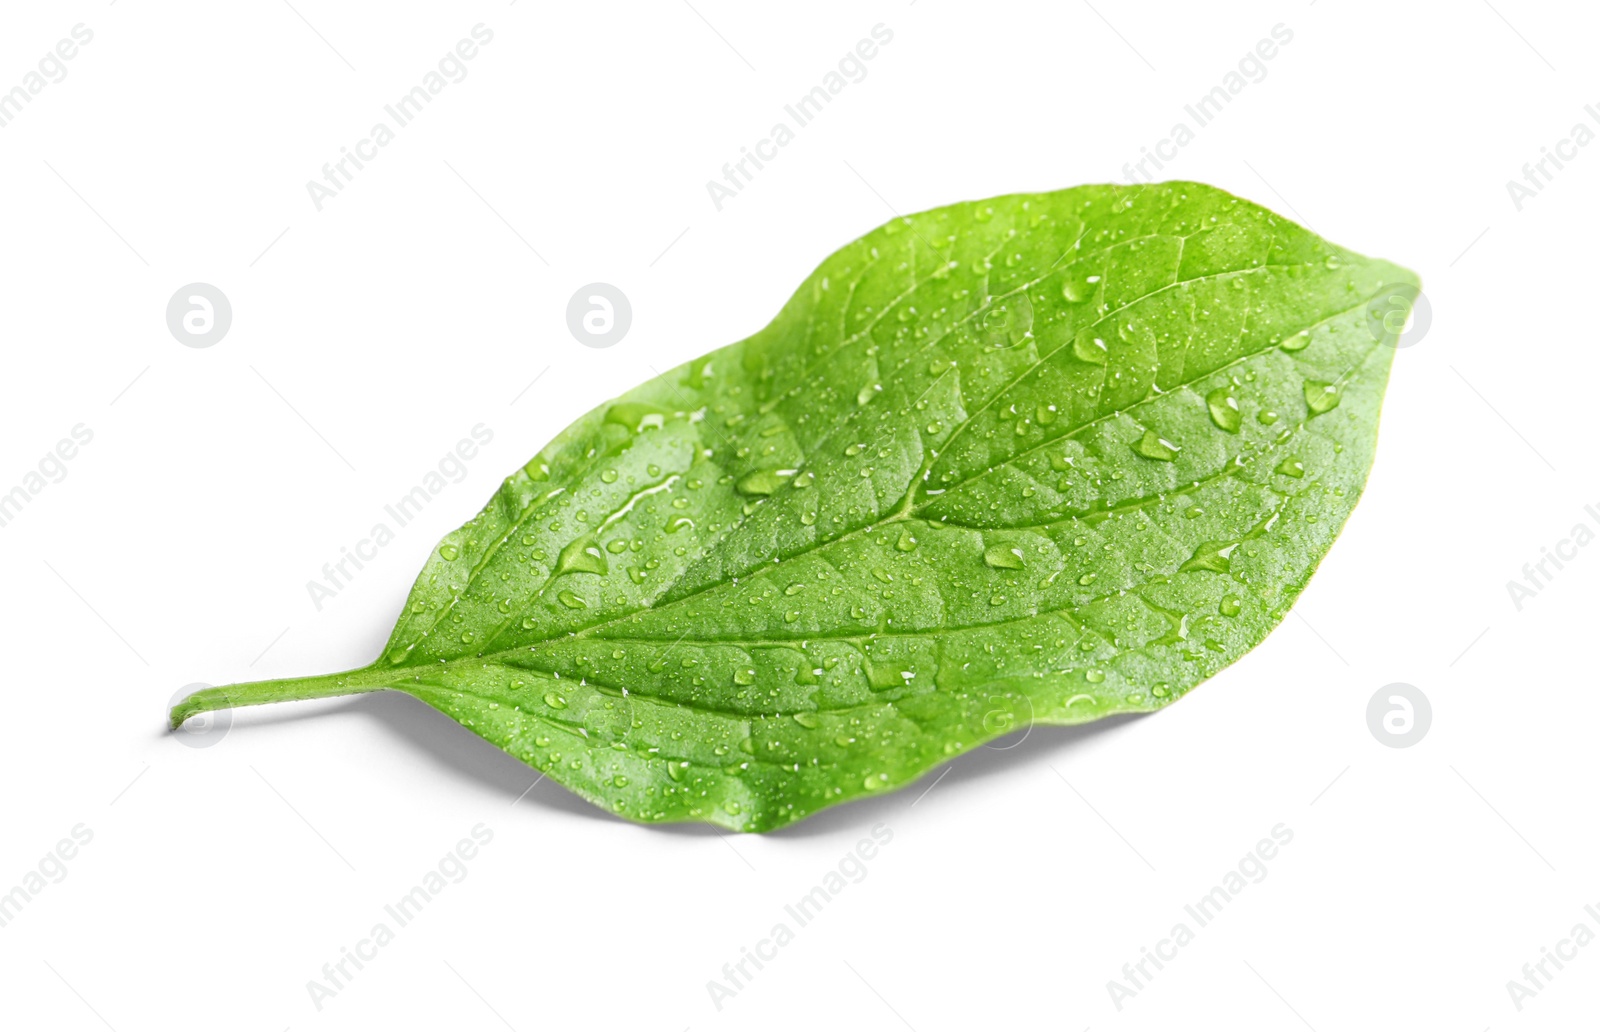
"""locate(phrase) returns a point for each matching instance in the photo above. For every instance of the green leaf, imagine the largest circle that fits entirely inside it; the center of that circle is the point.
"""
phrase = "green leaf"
(1038, 459)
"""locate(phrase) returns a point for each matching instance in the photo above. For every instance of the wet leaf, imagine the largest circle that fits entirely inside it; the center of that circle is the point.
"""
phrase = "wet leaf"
(1015, 461)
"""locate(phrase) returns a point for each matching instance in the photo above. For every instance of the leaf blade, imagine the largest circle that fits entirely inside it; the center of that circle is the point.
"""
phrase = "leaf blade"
(1043, 458)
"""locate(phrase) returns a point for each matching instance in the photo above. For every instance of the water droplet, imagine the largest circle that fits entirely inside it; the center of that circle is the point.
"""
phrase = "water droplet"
(907, 542)
(1003, 557)
(554, 701)
(806, 719)
(763, 482)
(1297, 341)
(636, 417)
(744, 675)
(1216, 556)
(1230, 605)
(1089, 348)
(1094, 676)
(1266, 417)
(448, 552)
(1321, 396)
(1291, 468)
(1153, 446)
(572, 601)
(581, 555)
(1224, 409)
(609, 476)
(867, 393)
(1086, 580)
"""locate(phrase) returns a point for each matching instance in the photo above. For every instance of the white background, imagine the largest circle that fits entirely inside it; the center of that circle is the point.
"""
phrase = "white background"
(367, 338)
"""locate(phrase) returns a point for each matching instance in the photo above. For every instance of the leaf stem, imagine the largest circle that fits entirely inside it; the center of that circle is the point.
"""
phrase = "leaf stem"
(289, 689)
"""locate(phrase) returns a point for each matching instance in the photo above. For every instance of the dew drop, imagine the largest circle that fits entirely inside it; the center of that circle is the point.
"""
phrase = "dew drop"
(762, 482)
(1089, 348)
(581, 555)
(1321, 396)
(1216, 556)
(1224, 409)
(1296, 342)
(1153, 446)
(1003, 557)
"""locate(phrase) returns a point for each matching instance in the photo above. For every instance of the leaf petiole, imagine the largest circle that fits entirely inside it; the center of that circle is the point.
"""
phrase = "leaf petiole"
(288, 689)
